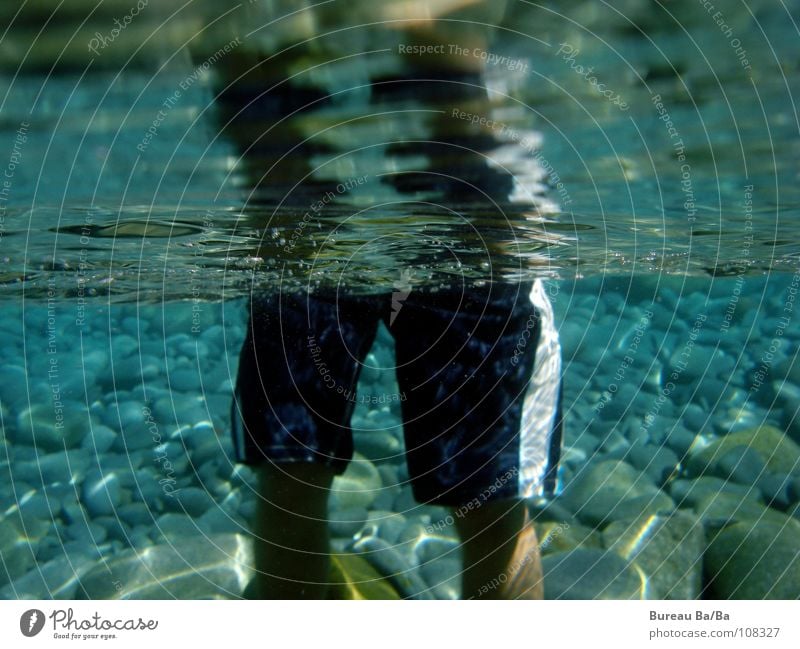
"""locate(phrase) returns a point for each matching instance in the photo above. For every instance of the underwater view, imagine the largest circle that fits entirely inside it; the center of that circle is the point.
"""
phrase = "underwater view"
(379, 290)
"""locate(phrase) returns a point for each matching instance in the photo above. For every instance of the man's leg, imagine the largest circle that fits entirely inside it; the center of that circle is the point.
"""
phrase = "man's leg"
(500, 552)
(291, 531)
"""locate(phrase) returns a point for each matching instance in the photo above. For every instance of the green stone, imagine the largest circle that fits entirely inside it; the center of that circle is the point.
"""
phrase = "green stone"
(688, 493)
(658, 503)
(755, 561)
(781, 454)
(599, 494)
(561, 537)
(669, 549)
(49, 430)
(358, 486)
(718, 509)
(585, 573)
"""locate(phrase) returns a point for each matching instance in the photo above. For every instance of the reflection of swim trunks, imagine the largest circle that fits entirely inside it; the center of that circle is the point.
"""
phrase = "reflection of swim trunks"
(479, 372)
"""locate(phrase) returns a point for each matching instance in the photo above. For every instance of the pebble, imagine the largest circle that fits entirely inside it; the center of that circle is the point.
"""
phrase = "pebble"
(101, 493)
(386, 498)
(55, 579)
(193, 500)
(123, 345)
(13, 386)
(378, 445)
(779, 451)
(115, 528)
(95, 361)
(61, 466)
(756, 562)
(242, 475)
(208, 452)
(17, 557)
(585, 573)
(720, 509)
(130, 372)
(174, 527)
(209, 481)
(599, 492)
(218, 521)
(561, 536)
(357, 486)
(185, 380)
(622, 402)
(435, 546)
(136, 514)
(221, 567)
(100, 439)
(794, 490)
(129, 418)
(658, 462)
(669, 549)
(740, 464)
(135, 327)
(615, 445)
(405, 503)
(776, 488)
(688, 493)
(147, 489)
(443, 577)
(386, 524)
(346, 523)
(37, 426)
(200, 435)
(73, 511)
(679, 439)
(232, 502)
(91, 532)
(695, 417)
(390, 563)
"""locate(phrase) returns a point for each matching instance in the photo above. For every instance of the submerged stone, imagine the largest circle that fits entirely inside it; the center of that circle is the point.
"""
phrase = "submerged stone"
(378, 444)
(99, 439)
(444, 577)
(721, 509)
(18, 545)
(741, 464)
(586, 573)
(780, 453)
(599, 493)
(688, 493)
(357, 486)
(668, 549)
(216, 567)
(747, 561)
(344, 523)
(51, 426)
(56, 579)
(556, 536)
(392, 565)
(101, 493)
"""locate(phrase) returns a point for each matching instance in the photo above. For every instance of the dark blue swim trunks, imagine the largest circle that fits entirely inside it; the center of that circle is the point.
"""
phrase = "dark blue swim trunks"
(479, 370)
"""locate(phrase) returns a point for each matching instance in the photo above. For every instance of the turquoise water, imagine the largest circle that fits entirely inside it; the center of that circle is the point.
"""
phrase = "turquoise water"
(667, 231)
